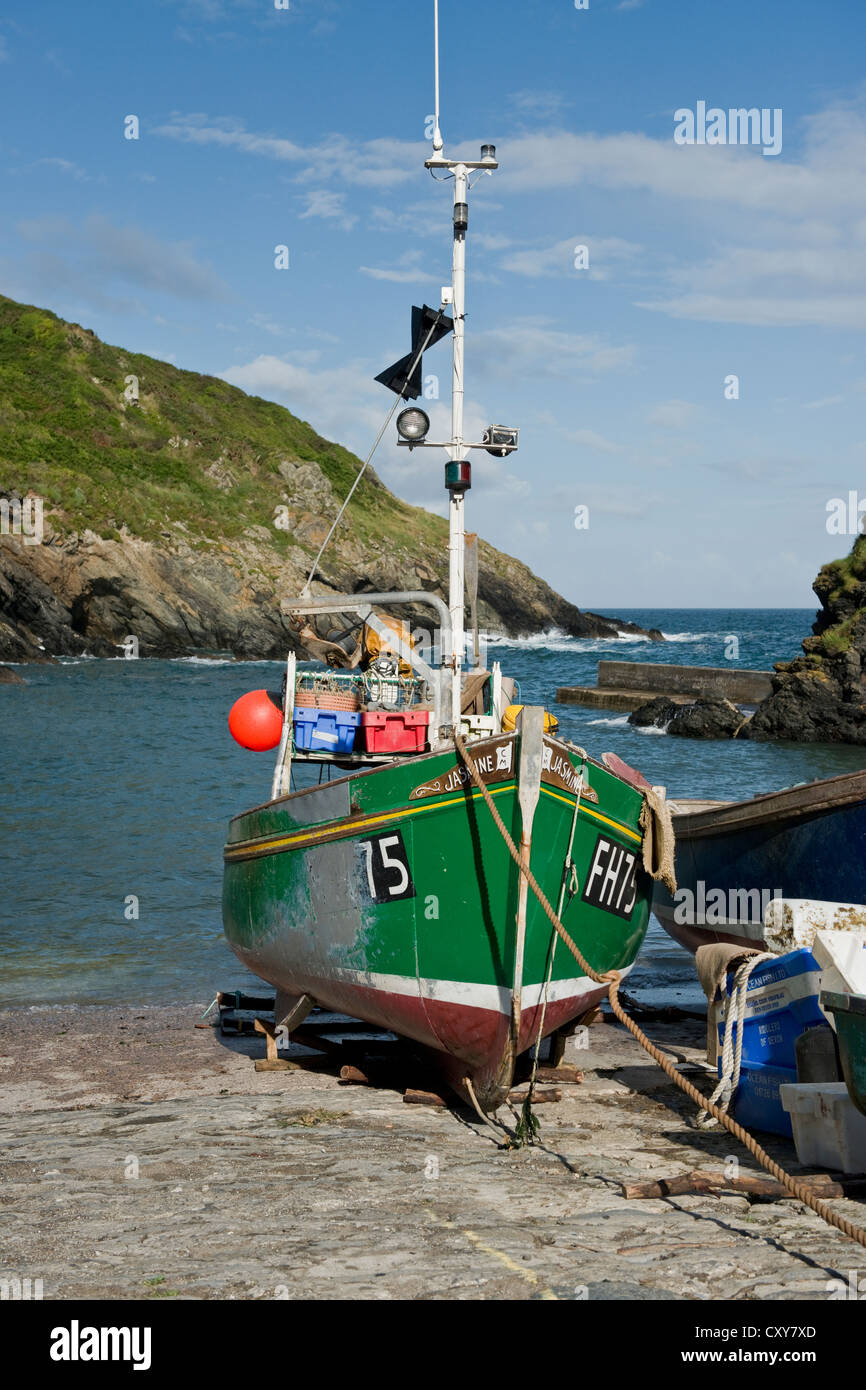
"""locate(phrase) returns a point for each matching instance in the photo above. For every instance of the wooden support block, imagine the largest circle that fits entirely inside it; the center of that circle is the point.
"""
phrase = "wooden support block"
(353, 1076)
(556, 1049)
(270, 1033)
(567, 1075)
(539, 1098)
(424, 1098)
(277, 1064)
(698, 1182)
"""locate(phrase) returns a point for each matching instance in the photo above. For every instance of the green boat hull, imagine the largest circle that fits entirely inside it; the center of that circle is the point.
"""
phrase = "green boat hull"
(390, 895)
(849, 1013)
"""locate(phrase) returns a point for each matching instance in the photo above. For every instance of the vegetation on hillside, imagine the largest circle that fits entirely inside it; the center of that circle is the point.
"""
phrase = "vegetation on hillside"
(102, 463)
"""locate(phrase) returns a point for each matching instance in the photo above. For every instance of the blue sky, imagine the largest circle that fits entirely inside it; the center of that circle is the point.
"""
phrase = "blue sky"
(305, 127)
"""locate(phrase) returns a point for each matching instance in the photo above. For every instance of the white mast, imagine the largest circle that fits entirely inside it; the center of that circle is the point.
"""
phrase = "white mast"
(457, 452)
(457, 473)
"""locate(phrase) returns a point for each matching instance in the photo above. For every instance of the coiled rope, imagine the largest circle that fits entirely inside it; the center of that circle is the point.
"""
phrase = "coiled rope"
(612, 979)
(732, 1053)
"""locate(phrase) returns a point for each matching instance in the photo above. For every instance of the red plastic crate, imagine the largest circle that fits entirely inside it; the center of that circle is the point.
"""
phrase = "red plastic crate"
(397, 731)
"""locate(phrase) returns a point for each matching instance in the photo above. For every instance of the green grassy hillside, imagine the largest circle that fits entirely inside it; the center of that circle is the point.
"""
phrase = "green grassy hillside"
(67, 433)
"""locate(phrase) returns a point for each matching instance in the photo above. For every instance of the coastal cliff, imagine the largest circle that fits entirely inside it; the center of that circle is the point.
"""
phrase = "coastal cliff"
(820, 697)
(179, 510)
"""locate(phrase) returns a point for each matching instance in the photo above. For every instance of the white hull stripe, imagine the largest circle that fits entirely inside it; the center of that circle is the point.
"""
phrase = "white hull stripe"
(494, 998)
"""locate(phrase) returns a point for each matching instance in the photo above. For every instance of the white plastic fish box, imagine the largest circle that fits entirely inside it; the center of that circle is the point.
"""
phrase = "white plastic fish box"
(477, 726)
(829, 1130)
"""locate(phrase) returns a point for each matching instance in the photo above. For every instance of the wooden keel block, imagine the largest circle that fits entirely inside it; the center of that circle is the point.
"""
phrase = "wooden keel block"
(353, 1076)
(270, 1032)
(567, 1075)
(698, 1182)
(424, 1098)
(276, 1064)
(540, 1097)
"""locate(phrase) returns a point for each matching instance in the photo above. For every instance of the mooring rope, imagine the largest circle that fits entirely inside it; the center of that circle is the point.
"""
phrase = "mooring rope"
(612, 979)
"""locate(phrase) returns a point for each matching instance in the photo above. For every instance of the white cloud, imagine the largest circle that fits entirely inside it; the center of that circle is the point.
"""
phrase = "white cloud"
(589, 439)
(98, 251)
(406, 270)
(66, 166)
(377, 163)
(825, 400)
(399, 277)
(268, 325)
(543, 104)
(558, 259)
(775, 259)
(330, 206)
(531, 346)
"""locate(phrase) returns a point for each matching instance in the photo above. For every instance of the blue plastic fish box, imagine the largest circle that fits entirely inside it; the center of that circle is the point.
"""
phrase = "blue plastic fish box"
(325, 730)
(781, 1003)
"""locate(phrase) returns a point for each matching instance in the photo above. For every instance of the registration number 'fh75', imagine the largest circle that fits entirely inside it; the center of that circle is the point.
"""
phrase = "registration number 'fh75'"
(611, 883)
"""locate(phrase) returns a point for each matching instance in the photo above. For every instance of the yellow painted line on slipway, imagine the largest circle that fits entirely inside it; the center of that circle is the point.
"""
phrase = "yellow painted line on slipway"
(528, 1275)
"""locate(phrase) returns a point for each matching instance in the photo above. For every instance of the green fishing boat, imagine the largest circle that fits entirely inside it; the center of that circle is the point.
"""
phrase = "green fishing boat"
(388, 892)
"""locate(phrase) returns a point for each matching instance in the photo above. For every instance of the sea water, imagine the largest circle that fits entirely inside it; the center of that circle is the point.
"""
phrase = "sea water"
(121, 777)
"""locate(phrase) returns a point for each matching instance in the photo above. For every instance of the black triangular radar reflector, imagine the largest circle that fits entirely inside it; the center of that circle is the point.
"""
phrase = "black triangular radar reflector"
(396, 380)
(423, 320)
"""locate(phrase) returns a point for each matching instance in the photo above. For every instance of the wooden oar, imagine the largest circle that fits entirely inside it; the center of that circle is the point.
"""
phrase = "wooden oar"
(528, 790)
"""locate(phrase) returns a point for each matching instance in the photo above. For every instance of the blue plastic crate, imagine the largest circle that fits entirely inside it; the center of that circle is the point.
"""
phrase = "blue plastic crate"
(781, 1003)
(325, 730)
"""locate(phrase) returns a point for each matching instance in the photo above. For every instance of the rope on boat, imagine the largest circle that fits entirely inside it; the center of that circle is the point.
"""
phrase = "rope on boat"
(612, 979)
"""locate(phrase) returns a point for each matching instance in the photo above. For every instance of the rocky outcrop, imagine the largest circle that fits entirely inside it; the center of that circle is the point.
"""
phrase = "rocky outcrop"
(85, 593)
(711, 718)
(656, 713)
(704, 718)
(10, 677)
(820, 697)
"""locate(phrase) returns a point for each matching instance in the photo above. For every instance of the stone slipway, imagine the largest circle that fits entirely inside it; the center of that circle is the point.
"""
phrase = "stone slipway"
(273, 1185)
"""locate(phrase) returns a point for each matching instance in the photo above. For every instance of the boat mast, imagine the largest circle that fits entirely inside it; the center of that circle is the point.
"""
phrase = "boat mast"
(458, 471)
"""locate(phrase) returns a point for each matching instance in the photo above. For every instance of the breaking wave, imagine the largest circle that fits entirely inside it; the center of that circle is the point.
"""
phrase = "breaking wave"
(555, 640)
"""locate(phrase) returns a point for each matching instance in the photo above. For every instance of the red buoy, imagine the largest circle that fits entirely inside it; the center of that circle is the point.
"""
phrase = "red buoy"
(255, 721)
